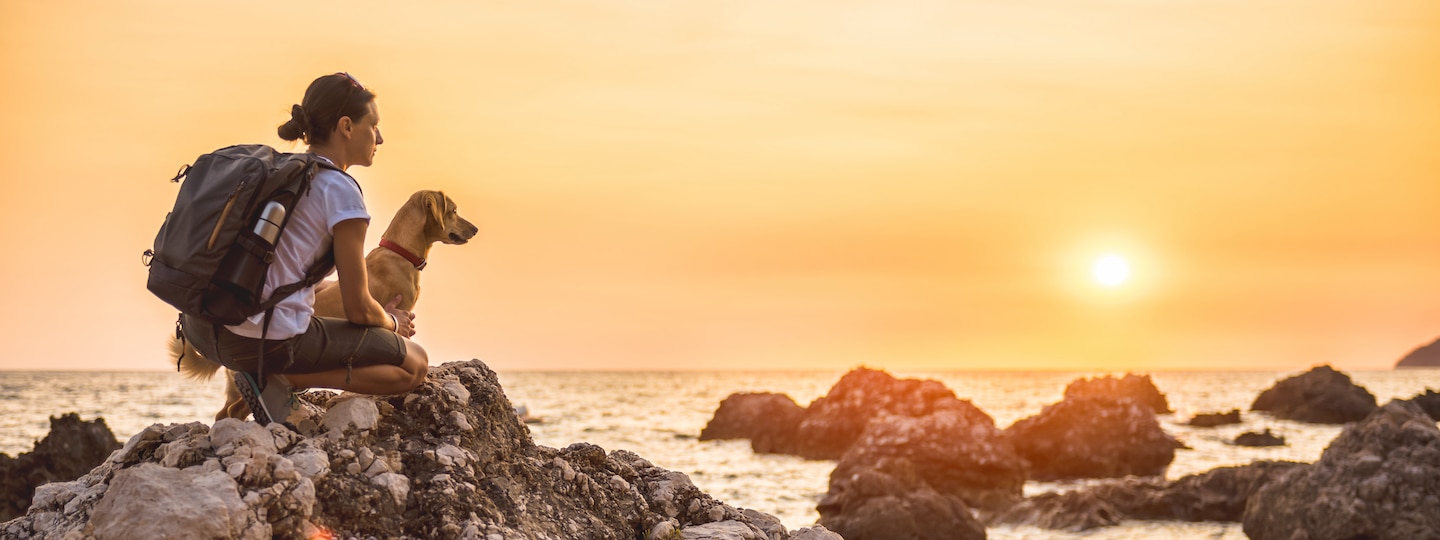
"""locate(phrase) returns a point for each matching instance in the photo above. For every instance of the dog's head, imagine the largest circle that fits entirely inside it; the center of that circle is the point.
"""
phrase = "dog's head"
(443, 223)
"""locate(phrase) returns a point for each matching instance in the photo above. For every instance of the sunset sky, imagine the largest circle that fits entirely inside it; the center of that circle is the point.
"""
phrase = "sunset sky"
(751, 184)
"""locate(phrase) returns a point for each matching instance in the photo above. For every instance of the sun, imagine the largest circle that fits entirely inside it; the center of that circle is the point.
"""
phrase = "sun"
(1111, 270)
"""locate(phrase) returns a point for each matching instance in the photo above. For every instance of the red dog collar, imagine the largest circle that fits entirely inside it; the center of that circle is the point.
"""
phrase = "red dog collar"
(417, 261)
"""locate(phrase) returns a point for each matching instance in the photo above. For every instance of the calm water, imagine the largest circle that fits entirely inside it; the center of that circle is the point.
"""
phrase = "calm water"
(658, 415)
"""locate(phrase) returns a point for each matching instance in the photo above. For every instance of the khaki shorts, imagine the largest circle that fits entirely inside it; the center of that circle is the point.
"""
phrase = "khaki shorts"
(328, 344)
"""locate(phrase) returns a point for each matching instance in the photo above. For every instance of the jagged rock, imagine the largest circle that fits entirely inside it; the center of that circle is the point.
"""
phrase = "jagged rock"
(143, 502)
(1321, 395)
(1375, 481)
(1427, 356)
(832, 423)
(918, 477)
(71, 449)
(414, 472)
(956, 452)
(891, 501)
(1215, 419)
(1137, 387)
(1216, 495)
(1251, 438)
(1429, 402)
(1093, 438)
(768, 420)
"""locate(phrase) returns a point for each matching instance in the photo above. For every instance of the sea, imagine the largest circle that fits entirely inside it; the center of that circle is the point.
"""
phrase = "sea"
(659, 415)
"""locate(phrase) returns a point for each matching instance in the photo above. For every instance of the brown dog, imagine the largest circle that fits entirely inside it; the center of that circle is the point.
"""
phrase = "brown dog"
(428, 217)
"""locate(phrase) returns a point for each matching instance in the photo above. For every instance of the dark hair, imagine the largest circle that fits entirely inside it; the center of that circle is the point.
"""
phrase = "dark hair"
(328, 98)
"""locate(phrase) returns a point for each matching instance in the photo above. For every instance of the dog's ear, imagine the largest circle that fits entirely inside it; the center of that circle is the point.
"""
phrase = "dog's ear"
(435, 202)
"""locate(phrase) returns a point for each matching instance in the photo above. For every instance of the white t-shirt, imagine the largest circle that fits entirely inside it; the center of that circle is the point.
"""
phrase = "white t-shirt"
(333, 197)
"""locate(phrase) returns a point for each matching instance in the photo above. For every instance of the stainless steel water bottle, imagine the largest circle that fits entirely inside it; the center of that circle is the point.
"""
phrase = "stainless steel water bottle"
(268, 226)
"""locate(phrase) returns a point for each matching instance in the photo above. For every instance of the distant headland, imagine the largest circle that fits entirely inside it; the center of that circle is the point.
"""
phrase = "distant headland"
(1424, 357)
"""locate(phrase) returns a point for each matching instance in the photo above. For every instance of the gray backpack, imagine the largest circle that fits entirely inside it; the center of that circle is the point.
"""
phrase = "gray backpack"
(214, 249)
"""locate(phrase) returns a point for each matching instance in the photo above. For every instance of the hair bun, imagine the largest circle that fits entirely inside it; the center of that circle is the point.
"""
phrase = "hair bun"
(296, 127)
(297, 115)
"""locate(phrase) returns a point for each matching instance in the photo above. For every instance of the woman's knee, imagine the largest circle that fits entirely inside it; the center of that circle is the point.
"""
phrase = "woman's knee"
(416, 363)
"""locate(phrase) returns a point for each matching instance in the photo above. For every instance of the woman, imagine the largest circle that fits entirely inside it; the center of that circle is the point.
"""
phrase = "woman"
(367, 351)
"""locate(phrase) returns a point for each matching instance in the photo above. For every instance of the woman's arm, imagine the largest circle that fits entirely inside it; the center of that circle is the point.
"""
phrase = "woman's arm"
(360, 308)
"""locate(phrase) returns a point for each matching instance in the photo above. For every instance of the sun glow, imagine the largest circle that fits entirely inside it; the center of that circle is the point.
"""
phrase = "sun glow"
(1111, 270)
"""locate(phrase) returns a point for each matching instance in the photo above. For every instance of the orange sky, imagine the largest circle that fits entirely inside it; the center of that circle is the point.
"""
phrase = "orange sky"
(777, 185)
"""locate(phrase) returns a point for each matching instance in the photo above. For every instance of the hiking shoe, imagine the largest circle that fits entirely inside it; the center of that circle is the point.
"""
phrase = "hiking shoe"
(273, 404)
(250, 390)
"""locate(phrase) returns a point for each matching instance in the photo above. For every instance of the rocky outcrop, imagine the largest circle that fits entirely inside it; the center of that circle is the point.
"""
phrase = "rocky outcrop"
(1376, 480)
(1217, 495)
(893, 501)
(956, 452)
(1215, 419)
(448, 460)
(71, 449)
(1321, 396)
(833, 422)
(1259, 439)
(1427, 356)
(1093, 437)
(1429, 402)
(768, 420)
(1136, 387)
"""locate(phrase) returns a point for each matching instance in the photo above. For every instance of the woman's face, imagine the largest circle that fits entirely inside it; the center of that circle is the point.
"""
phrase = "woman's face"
(365, 137)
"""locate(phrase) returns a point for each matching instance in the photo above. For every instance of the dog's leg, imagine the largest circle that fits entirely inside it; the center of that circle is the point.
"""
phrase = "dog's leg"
(235, 406)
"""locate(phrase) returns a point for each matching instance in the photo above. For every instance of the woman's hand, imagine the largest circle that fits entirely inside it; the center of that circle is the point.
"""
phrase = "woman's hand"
(404, 320)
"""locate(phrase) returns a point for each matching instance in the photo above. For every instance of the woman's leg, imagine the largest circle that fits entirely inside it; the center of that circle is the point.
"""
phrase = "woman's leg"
(380, 379)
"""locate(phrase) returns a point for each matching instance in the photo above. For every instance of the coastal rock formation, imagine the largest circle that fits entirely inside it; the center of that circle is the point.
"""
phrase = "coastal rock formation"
(1216, 419)
(832, 423)
(1427, 356)
(1266, 438)
(1376, 481)
(1217, 495)
(448, 460)
(893, 501)
(1093, 437)
(768, 420)
(956, 452)
(71, 449)
(1137, 387)
(1320, 396)
(1429, 402)
(920, 476)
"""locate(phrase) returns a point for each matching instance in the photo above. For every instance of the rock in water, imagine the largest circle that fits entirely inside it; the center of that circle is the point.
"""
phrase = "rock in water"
(1321, 396)
(890, 502)
(1266, 438)
(832, 423)
(1429, 402)
(915, 459)
(448, 460)
(1135, 387)
(71, 449)
(1377, 480)
(1217, 495)
(1216, 419)
(768, 420)
(956, 452)
(1093, 437)
(1427, 356)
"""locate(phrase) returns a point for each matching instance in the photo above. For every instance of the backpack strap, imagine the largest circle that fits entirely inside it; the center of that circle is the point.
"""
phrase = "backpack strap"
(260, 357)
